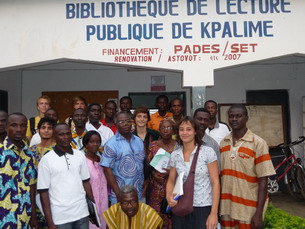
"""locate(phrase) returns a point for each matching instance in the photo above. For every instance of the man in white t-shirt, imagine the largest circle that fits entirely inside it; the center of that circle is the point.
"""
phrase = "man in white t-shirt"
(63, 183)
(94, 116)
(217, 130)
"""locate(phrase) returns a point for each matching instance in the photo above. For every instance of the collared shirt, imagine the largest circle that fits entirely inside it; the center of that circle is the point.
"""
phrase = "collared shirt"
(104, 131)
(77, 141)
(209, 141)
(125, 158)
(219, 131)
(202, 184)
(62, 174)
(156, 118)
(18, 172)
(113, 128)
(241, 166)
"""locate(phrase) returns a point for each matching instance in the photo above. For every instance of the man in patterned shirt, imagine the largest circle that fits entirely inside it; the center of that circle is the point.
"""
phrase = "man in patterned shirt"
(18, 177)
(79, 118)
(122, 158)
(245, 167)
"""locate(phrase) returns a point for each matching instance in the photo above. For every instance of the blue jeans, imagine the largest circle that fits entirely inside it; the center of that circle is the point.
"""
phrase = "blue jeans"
(82, 223)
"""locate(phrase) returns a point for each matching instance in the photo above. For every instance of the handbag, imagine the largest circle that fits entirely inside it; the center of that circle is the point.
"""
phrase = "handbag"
(185, 202)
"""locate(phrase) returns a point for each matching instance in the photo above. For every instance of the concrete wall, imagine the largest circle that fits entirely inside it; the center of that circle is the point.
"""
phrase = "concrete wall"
(287, 73)
(11, 82)
(36, 80)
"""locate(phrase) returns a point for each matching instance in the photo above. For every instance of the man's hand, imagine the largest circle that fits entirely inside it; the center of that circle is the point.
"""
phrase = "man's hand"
(34, 222)
(257, 221)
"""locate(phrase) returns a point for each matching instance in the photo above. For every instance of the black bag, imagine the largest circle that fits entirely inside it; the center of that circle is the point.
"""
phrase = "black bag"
(185, 202)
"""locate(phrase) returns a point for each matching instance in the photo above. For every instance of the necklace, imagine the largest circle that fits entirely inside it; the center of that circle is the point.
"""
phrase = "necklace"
(234, 150)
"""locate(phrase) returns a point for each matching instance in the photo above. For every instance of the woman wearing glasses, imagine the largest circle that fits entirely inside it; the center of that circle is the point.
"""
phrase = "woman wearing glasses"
(158, 179)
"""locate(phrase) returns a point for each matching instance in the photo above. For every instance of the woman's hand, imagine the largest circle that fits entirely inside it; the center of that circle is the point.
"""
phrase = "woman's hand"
(170, 200)
(212, 221)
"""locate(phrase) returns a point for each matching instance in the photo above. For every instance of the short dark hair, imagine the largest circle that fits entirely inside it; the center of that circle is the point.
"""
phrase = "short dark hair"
(46, 120)
(110, 101)
(210, 101)
(78, 110)
(240, 106)
(160, 97)
(202, 109)
(18, 114)
(126, 97)
(94, 104)
(177, 98)
(119, 113)
(61, 124)
(141, 109)
(88, 135)
(198, 137)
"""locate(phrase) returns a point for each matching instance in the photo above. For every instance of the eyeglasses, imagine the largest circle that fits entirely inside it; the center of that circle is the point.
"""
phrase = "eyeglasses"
(126, 203)
(128, 121)
(166, 128)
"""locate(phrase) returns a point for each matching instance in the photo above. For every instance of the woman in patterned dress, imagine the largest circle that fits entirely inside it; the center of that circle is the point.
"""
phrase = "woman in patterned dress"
(92, 141)
(157, 180)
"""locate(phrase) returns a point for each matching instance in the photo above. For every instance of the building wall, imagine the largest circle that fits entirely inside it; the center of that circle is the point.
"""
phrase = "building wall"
(231, 85)
(11, 82)
(38, 80)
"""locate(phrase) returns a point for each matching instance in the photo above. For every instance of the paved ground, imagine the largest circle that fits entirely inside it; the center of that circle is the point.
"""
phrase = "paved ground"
(288, 204)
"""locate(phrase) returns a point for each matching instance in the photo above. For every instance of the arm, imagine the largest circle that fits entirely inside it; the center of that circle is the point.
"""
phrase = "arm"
(214, 177)
(88, 190)
(112, 182)
(45, 201)
(33, 221)
(170, 186)
(257, 219)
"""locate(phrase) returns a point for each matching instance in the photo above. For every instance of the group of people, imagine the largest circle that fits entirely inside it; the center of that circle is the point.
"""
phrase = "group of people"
(49, 170)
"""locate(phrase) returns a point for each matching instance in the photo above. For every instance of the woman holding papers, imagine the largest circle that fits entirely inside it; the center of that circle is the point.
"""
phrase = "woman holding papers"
(159, 156)
(206, 185)
(92, 142)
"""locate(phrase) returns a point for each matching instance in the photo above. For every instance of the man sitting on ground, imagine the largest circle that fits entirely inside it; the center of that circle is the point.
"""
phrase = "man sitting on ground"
(131, 214)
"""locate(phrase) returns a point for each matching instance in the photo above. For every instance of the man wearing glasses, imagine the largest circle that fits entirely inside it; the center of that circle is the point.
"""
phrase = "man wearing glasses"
(122, 158)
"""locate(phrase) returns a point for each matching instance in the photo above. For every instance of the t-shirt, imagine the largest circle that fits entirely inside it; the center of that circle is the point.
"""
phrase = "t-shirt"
(155, 120)
(62, 174)
(219, 131)
(202, 184)
(241, 166)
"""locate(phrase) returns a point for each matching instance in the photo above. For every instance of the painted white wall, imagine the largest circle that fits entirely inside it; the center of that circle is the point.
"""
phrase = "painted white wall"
(285, 73)
(11, 82)
(36, 80)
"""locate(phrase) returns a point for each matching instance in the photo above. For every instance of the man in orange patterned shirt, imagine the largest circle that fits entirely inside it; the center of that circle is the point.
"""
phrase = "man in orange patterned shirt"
(245, 167)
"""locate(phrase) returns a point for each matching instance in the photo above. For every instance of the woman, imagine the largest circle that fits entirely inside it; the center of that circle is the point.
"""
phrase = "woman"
(92, 141)
(141, 118)
(206, 185)
(157, 181)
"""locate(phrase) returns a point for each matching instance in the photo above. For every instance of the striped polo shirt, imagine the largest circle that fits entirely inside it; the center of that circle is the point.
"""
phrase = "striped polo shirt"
(241, 166)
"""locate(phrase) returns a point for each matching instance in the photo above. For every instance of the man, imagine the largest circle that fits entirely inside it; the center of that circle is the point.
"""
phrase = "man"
(43, 104)
(3, 117)
(94, 115)
(50, 113)
(63, 183)
(110, 111)
(45, 131)
(129, 213)
(245, 167)
(78, 132)
(126, 104)
(78, 102)
(217, 130)
(18, 177)
(156, 118)
(123, 158)
(202, 116)
(177, 108)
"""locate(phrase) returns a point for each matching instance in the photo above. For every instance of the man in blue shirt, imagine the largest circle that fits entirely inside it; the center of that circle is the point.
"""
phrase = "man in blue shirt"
(122, 158)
